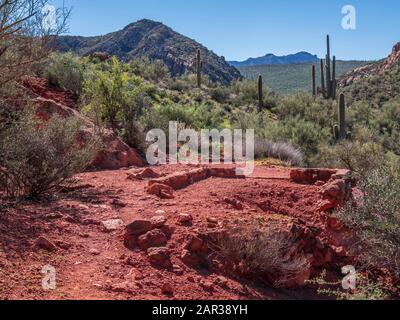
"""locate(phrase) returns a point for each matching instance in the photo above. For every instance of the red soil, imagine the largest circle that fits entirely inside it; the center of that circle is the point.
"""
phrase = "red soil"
(94, 264)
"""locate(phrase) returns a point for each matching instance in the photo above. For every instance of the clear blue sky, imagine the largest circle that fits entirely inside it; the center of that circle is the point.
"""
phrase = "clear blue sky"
(238, 29)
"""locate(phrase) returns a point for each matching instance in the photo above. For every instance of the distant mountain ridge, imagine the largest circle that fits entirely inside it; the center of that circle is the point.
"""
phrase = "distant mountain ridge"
(154, 40)
(271, 59)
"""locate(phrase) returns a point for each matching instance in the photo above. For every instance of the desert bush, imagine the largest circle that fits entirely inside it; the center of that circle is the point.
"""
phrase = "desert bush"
(263, 252)
(66, 71)
(366, 290)
(150, 70)
(376, 220)
(35, 158)
(220, 94)
(361, 155)
(305, 135)
(278, 150)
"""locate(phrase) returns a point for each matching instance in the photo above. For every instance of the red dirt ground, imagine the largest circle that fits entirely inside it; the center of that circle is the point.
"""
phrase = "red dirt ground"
(95, 264)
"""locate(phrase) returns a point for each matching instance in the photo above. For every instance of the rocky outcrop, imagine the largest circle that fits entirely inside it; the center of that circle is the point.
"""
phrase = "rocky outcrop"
(372, 69)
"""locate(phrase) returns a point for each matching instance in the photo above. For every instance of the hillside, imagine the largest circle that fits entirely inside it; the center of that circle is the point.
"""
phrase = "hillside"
(300, 57)
(147, 38)
(289, 78)
(376, 83)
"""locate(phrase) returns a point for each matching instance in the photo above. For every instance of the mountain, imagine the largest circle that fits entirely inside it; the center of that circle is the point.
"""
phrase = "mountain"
(271, 59)
(147, 38)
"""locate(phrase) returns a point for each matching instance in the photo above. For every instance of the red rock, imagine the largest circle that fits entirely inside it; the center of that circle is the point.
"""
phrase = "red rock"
(234, 203)
(118, 203)
(159, 257)
(147, 173)
(158, 221)
(153, 238)
(195, 244)
(310, 176)
(190, 259)
(46, 244)
(167, 289)
(207, 285)
(184, 218)
(139, 227)
(161, 190)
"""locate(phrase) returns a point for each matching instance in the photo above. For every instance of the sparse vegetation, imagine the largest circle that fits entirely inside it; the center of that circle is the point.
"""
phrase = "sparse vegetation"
(376, 220)
(263, 252)
(35, 159)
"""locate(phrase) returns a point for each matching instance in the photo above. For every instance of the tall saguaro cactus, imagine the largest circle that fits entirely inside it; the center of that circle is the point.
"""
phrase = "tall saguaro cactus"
(314, 83)
(323, 79)
(260, 93)
(339, 131)
(328, 73)
(199, 66)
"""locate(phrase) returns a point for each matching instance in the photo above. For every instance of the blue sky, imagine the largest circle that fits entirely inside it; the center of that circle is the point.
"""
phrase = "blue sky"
(238, 29)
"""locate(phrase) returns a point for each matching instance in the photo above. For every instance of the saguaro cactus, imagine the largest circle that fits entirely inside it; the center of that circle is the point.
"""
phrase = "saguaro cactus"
(323, 79)
(260, 93)
(339, 131)
(199, 66)
(328, 74)
(314, 83)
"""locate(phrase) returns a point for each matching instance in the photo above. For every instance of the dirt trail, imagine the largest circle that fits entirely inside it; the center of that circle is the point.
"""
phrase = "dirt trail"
(92, 263)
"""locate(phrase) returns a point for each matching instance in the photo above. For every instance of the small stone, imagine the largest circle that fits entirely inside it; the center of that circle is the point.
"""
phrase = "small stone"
(153, 238)
(158, 221)
(112, 225)
(167, 289)
(207, 285)
(177, 269)
(118, 203)
(94, 252)
(46, 244)
(184, 218)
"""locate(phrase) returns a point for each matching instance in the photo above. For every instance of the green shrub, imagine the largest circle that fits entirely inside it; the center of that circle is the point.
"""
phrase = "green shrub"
(37, 158)
(150, 70)
(302, 134)
(220, 94)
(66, 71)
(376, 220)
(361, 155)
